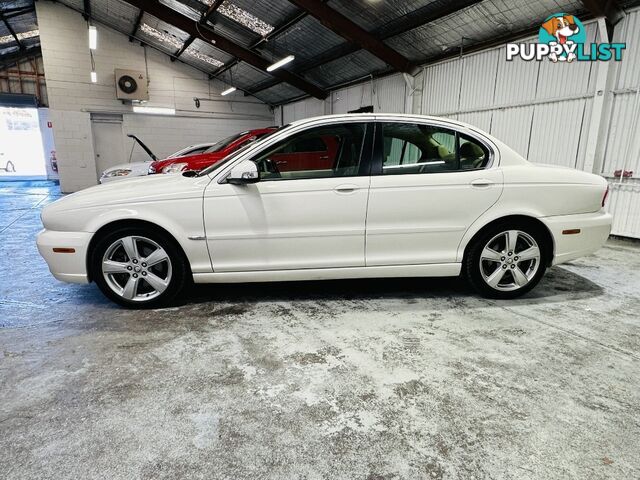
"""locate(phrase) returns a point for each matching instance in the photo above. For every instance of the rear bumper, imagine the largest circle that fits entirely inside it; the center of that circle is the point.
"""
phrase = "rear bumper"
(594, 230)
(66, 267)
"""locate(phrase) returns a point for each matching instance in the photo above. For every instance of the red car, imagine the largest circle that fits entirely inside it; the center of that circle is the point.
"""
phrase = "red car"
(210, 156)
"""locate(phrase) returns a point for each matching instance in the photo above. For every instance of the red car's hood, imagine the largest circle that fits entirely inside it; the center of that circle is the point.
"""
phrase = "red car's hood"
(194, 162)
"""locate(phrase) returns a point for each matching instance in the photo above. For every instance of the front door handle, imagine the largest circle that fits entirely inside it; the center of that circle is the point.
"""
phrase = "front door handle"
(345, 188)
(481, 182)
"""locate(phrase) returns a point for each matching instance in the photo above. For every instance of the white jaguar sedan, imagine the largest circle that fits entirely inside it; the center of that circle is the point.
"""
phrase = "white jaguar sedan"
(347, 196)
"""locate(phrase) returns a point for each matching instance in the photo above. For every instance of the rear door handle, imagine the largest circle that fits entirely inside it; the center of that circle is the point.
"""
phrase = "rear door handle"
(481, 182)
(346, 188)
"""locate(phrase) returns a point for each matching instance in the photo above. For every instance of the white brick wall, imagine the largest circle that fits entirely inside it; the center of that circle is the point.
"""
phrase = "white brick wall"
(72, 97)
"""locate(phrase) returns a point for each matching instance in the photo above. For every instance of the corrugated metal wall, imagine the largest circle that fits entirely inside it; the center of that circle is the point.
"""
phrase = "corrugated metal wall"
(542, 110)
(622, 151)
(388, 94)
(521, 102)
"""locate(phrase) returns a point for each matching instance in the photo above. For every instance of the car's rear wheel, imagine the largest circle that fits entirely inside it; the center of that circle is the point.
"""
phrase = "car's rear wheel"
(139, 268)
(507, 260)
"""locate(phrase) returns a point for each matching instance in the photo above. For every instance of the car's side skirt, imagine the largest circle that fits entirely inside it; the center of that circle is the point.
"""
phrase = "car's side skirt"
(431, 270)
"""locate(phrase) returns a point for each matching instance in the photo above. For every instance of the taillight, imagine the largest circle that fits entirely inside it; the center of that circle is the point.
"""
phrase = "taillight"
(606, 194)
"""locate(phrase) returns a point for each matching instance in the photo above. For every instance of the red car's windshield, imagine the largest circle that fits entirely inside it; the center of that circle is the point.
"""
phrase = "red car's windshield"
(233, 155)
(222, 144)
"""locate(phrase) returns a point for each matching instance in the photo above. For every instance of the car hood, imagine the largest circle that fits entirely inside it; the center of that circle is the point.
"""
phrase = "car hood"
(153, 189)
(190, 159)
(130, 166)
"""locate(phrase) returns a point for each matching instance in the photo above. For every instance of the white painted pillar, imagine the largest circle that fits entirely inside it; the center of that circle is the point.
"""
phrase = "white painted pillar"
(601, 108)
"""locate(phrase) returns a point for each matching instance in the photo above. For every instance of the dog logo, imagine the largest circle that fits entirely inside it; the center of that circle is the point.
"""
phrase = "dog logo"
(563, 38)
(565, 31)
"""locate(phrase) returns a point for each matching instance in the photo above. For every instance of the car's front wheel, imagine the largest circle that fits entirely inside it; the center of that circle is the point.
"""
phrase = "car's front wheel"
(139, 268)
(507, 260)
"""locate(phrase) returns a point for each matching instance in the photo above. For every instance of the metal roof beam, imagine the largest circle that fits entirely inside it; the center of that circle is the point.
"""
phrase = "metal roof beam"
(136, 25)
(16, 12)
(283, 27)
(187, 43)
(19, 55)
(87, 9)
(11, 31)
(205, 18)
(184, 23)
(609, 9)
(349, 30)
(428, 13)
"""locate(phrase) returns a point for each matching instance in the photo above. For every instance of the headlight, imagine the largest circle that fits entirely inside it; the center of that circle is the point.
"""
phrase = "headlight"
(121, 172)
(175, 168)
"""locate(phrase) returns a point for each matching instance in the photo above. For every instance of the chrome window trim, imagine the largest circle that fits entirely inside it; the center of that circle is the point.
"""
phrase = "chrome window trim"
(301, 125)
(454, 126)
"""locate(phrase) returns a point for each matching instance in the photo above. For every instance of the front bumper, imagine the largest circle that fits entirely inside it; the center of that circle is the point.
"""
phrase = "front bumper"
(594, 231)
(66, 267)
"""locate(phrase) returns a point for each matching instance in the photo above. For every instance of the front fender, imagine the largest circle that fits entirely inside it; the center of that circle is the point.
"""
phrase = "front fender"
(182, 219)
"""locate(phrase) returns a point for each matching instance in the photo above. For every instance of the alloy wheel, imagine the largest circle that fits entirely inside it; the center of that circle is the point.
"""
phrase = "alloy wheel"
(136, 268)
(510, 260)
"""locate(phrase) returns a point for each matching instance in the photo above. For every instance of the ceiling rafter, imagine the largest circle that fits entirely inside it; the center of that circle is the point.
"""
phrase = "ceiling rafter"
(422, 16)
(87, 9)
(136, 25)
(16, 12)
(19, 55)
(206, 16)
(283, 27)
(609, 9)
(11, 31)
(351, 31)
(187, 25)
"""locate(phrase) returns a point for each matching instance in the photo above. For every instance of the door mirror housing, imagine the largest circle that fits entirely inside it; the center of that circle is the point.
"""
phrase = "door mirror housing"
(243, 173)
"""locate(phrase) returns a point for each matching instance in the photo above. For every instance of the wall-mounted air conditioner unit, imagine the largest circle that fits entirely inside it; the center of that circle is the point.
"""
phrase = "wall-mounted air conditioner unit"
(131, 85)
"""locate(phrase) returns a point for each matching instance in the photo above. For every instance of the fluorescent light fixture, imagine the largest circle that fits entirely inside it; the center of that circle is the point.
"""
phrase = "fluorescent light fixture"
(228, 91)
(155, 110)
(93, 37)
(94, 77)
(280, 63)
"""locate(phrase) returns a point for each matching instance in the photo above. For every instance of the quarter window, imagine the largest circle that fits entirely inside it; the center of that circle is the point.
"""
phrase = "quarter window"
(321, 152)
(414, 148)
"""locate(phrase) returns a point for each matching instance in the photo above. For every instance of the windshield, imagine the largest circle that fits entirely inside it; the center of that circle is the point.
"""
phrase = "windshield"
(233, 155)
(185, 152)
(222, 144)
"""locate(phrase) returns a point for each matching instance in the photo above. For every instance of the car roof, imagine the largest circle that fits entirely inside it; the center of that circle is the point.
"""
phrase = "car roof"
(380, 115)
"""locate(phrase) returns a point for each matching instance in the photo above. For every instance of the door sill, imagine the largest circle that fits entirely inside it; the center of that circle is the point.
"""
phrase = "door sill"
(430, 270)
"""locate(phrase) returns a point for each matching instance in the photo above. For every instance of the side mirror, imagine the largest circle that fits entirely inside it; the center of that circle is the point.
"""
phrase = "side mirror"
(243, 173)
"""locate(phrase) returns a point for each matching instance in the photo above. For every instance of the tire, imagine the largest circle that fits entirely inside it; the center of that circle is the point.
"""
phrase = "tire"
(139, 267)
(496, 266)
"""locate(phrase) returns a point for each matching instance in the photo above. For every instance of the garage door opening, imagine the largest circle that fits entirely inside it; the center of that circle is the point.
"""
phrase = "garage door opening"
(21, 150)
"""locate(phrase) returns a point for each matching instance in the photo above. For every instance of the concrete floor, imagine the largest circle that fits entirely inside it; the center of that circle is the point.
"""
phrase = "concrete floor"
(389, 379)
